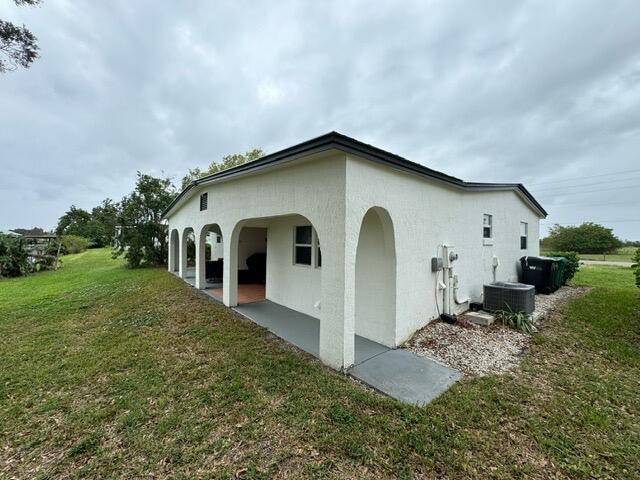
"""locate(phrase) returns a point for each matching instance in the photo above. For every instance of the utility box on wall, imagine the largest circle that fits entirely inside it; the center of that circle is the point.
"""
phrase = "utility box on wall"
(436, 264)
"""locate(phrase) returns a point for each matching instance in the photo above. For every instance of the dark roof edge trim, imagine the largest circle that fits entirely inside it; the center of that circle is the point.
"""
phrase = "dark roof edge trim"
(337, 141)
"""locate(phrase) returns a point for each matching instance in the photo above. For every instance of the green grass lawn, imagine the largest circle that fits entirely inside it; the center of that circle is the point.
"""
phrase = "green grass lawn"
(107, 372)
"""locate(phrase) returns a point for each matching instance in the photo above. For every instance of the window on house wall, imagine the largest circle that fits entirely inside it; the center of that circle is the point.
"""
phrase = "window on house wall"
(303, 245)
(487, 226)
(524, 234)
(218, 239)
(204, 199)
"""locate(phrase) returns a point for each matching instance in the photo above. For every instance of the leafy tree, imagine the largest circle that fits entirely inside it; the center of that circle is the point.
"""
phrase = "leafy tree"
(102, 226)
(228, 161)
(636, 267)
(18, 45)
(142, 237)
(75, 221)
(14, 259)
(586, 238)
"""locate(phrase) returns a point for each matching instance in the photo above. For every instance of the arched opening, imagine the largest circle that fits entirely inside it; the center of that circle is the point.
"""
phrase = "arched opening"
(274, 277)
(188, 255)
(283, 255)
(251, 261)
(174, 251)
(375, 292)
(210, 260)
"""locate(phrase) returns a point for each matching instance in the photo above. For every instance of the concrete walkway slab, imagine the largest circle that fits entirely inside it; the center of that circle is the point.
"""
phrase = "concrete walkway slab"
(403, 375)
(366, 349)
(297, 328)
(397, 373)
(301, 330)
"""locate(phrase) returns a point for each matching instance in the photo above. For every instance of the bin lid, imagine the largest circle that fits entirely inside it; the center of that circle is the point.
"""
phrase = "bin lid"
(538, 260)
(511, 285)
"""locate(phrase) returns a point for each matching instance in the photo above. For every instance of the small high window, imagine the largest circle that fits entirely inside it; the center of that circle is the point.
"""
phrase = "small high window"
(204, 199)
(524, 234)
(303, 245)
(487, 226)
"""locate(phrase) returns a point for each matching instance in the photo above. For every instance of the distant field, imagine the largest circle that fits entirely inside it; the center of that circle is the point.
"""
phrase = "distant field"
(624, 254)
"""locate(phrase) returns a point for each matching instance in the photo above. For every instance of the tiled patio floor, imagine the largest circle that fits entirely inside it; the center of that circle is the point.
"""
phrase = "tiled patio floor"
(247, 293)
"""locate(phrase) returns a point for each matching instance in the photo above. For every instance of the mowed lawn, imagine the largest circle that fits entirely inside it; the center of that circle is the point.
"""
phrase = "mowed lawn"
(107, 372)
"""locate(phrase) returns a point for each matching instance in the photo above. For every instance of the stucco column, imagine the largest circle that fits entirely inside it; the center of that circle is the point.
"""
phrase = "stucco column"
(230, 268)
(183, 255)
(201, 248)
(171, 260)
(337, 317)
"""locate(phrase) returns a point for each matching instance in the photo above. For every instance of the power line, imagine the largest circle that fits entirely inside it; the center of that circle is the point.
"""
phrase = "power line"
(594, 221)
(591, 204)
(594, 191)
(588, 176)
(605, 182)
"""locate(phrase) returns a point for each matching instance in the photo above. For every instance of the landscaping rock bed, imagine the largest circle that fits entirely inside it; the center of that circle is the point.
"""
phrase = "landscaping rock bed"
(478, 351)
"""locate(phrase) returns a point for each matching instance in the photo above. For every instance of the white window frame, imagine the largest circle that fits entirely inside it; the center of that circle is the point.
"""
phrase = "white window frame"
(314, 245)
(525, 236)
(297, 245)
(489, 225)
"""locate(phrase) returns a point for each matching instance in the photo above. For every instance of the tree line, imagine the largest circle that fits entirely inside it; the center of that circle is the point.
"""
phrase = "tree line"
(132, 227)
(586, 238)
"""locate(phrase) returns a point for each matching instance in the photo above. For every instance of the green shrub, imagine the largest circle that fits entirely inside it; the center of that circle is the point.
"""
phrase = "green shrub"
(73, 244)
(14, 260)
(516, 320)
(572, 266)
(636, 267)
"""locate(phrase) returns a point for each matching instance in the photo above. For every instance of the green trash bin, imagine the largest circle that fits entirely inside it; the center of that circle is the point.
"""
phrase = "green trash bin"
(558, 271)
(545, 273)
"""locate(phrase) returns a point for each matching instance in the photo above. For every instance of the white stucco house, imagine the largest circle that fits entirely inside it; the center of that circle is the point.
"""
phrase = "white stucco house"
(349, 232)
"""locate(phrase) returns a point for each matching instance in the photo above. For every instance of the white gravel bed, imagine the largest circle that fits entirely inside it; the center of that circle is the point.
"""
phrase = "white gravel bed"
(478, 351)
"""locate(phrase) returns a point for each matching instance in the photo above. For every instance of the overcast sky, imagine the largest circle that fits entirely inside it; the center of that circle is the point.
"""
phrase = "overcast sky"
(532, 92)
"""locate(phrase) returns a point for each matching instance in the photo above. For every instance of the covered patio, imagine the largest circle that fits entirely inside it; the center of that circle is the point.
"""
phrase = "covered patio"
(247, 293)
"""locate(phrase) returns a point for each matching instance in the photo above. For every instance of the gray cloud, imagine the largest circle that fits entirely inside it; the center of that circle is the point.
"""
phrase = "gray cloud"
(503, 91)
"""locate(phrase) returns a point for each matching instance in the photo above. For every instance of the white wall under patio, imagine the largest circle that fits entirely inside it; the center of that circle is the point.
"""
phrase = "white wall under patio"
(215, 242)
(252, 240)
(294, 286)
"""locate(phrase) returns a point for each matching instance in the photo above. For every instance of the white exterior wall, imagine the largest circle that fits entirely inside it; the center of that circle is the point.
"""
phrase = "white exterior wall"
(294, 286)
(426, 214)
(313, 188)
(333, 192)
(217, 249)
(252, 240)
